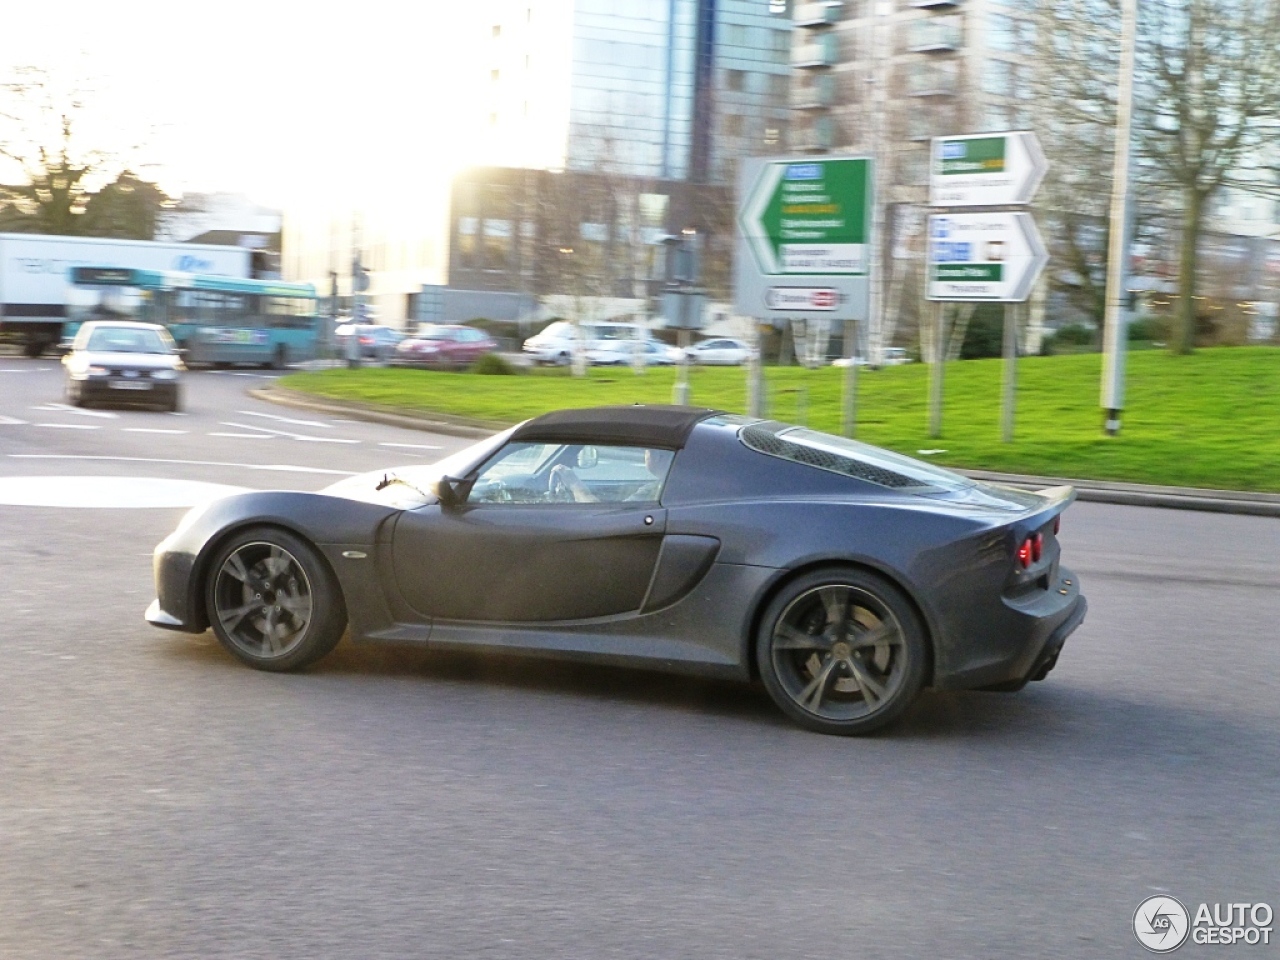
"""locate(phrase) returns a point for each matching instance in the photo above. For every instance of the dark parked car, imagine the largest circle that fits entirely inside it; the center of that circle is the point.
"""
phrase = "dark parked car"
(444, 345)
(376, 341)
(845, 577)
(120, 361)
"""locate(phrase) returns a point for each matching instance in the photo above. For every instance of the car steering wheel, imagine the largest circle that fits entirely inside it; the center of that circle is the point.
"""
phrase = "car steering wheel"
(564, 486)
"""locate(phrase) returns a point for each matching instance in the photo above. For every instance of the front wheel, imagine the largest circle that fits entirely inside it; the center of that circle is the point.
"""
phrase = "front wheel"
(272, 600)
(841, 651)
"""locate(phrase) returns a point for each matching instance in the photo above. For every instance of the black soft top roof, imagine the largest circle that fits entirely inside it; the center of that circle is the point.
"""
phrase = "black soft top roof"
(649, 426)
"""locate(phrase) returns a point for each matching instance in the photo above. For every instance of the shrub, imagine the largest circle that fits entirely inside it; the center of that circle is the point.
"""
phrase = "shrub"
(491, 364)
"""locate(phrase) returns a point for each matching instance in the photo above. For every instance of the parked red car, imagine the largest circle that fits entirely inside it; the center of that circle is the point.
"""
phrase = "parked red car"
(444, 346)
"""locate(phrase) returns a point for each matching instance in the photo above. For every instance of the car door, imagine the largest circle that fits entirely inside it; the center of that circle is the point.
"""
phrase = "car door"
(516, 551)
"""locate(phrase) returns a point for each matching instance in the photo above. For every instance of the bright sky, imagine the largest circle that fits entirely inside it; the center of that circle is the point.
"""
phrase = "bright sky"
(299, 105)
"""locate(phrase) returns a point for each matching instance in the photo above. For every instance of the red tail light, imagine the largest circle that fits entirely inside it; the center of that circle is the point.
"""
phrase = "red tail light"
(1024, 553)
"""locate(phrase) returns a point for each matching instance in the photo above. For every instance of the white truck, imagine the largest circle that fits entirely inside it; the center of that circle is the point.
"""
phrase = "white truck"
(35, 275)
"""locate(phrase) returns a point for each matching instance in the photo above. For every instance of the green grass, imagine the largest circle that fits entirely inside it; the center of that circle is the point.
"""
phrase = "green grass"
(1208, 420)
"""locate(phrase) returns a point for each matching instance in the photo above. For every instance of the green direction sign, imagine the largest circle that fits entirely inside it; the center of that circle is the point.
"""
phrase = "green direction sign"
(809, 217)
(986, 170)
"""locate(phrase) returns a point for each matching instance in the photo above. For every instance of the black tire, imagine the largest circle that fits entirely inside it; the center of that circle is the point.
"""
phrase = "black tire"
(841, 651)
(175, 402)
(280, 359)
(75, 393)
(273, 601)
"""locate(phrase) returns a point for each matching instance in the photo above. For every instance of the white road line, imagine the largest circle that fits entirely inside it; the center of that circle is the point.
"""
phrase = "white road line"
(150, 430)
(70, 426)
(11, 421)
(65, 408)
(285, 433)
(243, 436)
(412, 446)
(272, 416)
(277, 467)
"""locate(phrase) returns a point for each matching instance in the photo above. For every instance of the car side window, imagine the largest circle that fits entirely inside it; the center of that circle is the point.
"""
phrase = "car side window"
(572, 473)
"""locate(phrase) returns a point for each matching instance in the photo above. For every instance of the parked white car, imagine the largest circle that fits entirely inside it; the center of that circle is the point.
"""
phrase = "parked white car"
(653, 353)
(720, 351)
(555, 344)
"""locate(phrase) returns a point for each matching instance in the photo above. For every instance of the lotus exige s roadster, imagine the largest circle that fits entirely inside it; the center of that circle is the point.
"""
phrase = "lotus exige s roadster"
(845, 577)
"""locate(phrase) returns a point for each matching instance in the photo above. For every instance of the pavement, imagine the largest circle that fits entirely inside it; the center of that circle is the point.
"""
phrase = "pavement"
(1098, 491)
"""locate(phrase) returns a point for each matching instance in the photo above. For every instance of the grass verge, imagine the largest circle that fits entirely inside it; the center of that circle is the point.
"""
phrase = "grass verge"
(1211, 419)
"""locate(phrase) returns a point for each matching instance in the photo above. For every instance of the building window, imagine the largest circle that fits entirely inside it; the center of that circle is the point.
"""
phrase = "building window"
(733, 124)
(771, 136)
(735, 80)
(493, 76)
(497, 30)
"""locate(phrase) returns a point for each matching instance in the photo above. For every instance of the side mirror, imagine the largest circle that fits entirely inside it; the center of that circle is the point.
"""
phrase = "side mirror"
(451, 491)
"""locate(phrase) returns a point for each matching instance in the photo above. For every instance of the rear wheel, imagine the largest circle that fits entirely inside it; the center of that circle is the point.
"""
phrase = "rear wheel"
(841, 651)
(280, 359)
(272, 601)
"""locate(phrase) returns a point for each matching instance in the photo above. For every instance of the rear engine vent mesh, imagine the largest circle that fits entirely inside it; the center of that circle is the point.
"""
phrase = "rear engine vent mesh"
(766, 441)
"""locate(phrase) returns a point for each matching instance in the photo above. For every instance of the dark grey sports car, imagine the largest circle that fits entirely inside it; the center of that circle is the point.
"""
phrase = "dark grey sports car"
(845, 577)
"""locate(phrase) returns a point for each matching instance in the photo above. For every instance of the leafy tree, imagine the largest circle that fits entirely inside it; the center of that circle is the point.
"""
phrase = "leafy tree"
(127, 208)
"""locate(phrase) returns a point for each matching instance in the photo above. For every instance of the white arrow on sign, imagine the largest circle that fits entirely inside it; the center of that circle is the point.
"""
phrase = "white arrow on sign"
(986, 170)
(984, 256)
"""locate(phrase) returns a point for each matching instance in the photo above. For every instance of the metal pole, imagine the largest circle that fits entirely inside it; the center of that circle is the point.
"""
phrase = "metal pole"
(1010, 371)
(937, 370)
(849, 400)
(882, 41)
(1115, 325)
(681, 393)
(755, 374)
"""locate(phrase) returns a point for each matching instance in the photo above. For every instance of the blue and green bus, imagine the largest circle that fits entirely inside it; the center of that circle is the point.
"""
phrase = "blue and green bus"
(215, 320)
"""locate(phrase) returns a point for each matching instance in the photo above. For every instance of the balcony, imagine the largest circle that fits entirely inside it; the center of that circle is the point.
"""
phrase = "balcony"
(821, 53)
(932, 78)
(818, 93)
(934, 34)
(817, 15)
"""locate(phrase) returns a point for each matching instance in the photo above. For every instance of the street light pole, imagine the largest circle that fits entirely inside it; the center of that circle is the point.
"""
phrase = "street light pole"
(1115, 319)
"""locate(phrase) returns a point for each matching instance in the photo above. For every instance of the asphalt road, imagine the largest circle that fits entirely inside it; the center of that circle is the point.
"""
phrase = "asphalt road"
(159, 800)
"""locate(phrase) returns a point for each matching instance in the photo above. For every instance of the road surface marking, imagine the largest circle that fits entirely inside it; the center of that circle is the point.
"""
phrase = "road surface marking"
(25, 369)
(285, 433)
(243, 436)
(70, 426)
(277, 467)
(272, 416)
(11, 421)
(150, 430)
(413, 446)
(110, 492)
(65, 408)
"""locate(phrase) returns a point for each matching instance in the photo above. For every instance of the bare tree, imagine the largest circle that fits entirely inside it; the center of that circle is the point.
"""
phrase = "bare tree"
(54, 171)
(1207, 101)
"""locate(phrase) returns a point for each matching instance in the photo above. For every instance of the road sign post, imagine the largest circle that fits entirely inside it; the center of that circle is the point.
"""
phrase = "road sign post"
(994, 256)
(804, 235)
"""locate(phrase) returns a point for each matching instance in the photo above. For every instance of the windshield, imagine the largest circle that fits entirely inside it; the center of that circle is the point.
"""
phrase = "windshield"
(128, 340)
(107, 303)
(410, 486)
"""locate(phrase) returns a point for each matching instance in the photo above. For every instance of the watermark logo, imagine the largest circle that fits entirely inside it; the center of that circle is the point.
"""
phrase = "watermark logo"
(1161, 924)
